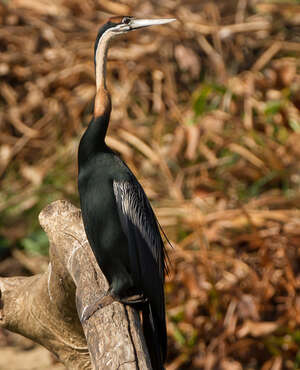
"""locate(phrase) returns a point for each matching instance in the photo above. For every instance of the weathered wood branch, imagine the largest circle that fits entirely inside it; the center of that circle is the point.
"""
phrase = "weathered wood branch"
(45, 307)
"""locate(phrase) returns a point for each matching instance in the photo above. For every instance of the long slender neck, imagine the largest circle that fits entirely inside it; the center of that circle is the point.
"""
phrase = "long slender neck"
(102, 106)
(100, 60)
(93, 140)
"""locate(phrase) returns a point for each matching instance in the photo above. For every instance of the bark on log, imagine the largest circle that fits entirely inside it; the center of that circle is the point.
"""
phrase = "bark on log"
(45, 307)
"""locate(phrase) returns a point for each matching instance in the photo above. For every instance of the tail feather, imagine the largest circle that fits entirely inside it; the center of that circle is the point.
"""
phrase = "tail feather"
(156, 338)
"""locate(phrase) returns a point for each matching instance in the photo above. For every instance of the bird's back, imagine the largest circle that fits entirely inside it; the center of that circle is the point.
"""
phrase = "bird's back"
(98, 206)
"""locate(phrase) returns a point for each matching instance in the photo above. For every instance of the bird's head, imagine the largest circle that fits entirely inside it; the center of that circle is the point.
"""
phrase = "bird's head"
(113, 27)
(119, 25)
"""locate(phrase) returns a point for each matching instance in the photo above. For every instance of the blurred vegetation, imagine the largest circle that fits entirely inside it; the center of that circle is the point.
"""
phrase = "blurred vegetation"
(206, 112)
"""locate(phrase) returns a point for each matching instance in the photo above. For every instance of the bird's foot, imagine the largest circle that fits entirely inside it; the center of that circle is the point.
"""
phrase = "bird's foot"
(133, 299)
(105, 300)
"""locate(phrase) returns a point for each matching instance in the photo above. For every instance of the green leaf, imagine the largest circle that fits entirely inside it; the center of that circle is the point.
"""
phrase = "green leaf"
(209, 98)
(178, 317)
(192, 341)
(178, 336)
(273, 107)
(200, 104)
(294, 125)
(36, 243)
(296, 336)
(257, 186)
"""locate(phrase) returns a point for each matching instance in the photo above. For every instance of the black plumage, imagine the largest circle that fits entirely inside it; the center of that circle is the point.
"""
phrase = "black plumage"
(120, 225)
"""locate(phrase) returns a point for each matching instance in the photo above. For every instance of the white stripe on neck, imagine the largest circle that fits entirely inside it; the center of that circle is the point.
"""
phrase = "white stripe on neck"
(101, 57)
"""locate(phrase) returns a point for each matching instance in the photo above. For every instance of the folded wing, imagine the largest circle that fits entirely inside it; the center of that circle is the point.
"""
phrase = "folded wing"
(146, 251)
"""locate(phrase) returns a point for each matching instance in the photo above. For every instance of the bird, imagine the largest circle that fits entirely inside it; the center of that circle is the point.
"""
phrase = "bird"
(120, 225)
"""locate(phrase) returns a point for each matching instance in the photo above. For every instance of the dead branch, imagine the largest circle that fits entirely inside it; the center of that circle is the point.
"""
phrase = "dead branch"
(45, 307)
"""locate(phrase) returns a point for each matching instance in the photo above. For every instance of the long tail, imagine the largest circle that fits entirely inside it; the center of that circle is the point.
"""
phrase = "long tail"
(156, 337)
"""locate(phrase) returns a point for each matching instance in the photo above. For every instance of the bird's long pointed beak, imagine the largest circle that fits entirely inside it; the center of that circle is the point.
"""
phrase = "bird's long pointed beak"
(140, 23)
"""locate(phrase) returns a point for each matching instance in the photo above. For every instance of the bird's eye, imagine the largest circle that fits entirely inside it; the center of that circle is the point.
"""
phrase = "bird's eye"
(126, 20)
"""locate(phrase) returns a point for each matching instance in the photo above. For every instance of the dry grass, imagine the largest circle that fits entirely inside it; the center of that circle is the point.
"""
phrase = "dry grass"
(206, 112)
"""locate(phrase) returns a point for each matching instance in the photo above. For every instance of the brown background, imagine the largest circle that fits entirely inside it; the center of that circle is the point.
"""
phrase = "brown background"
(206, 113)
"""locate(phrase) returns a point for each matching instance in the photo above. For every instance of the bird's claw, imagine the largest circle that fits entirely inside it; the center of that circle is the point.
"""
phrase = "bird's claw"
(107, 299)
(88, 311)
(134, 299)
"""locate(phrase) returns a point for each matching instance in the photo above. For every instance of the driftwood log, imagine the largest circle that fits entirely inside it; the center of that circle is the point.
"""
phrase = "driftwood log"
(46, 307)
